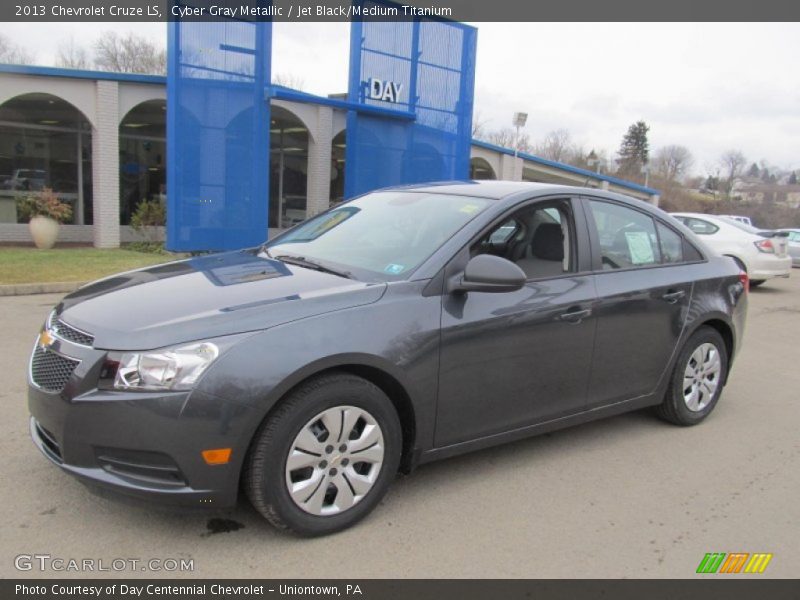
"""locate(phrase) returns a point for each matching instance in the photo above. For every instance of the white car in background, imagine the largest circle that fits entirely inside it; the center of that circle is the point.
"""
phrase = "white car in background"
(763, 254)
(794, 245)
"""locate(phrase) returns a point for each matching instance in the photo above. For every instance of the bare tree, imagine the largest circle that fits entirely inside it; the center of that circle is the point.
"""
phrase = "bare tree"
(732, 163)
(289, 80)
(506, 137)
(672, 163)
(557, 146)
(478, 126)
(72, 56)
(13, 53)
(129, 54)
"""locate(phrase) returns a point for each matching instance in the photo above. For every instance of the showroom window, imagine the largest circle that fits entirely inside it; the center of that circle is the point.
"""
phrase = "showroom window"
(288, 169)
(142, 157)
(45, 142)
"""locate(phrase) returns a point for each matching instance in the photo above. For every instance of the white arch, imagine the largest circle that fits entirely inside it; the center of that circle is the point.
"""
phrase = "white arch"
(479, 160)
(132, 95)
(491, 158)
(305, 113)
(80, 93)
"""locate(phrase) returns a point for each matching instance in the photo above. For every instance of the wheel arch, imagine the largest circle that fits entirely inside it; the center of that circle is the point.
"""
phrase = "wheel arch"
(725, 331)
(368, 368)
(739, 260)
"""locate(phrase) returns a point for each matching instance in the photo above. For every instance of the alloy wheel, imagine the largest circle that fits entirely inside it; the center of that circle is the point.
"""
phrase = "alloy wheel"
(701, 376)
(334, 460)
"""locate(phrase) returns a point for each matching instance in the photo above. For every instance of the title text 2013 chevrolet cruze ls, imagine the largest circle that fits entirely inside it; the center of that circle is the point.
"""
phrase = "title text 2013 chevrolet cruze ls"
(404, 326)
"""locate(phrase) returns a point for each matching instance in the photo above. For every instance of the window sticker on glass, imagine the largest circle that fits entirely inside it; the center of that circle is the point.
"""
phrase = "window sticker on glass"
(640, 247)
(470, 209)
(393, 269)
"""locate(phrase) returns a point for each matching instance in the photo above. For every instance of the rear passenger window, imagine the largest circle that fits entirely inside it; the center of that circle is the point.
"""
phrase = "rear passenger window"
(700, 226)
(671, 245)
(627, 237)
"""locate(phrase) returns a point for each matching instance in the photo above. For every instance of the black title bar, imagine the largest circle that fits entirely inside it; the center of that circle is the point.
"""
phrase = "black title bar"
(343, 10)
(707, 588)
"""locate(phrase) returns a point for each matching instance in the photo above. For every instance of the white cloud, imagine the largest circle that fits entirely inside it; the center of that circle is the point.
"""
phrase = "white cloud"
(707, 86)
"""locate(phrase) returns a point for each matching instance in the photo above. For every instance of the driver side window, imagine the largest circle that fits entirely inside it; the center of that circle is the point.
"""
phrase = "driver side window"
(537, 238)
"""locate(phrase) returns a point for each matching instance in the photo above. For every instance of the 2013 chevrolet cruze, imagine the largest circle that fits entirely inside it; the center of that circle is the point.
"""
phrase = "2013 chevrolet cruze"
(404, 326)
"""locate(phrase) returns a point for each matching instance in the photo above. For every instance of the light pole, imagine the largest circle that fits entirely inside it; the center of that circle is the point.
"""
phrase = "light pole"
(594, 161)
(518, 121)
(646, 171)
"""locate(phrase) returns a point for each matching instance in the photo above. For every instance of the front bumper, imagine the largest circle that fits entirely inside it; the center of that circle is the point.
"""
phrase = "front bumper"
(143, 445)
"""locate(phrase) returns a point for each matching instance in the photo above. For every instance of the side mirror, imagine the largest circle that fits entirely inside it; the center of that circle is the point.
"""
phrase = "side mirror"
(488, 273)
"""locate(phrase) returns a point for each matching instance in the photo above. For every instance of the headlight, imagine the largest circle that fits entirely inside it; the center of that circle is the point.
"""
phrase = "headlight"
(176, 368)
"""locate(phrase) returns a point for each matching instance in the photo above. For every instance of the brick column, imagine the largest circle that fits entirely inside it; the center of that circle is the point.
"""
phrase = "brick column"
(105, 165)
(319, 163)
(510, 168)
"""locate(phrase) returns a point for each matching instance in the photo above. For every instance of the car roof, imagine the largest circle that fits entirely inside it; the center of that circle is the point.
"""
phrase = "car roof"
(697, 215)
(497, 189)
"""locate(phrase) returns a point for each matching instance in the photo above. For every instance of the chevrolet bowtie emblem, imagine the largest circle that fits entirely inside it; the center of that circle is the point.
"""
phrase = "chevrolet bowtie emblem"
(45, 339)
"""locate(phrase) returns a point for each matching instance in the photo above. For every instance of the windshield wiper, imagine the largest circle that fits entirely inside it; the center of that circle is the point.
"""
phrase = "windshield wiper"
(301, 261)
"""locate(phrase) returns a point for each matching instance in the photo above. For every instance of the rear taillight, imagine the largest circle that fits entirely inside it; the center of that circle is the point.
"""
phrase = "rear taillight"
(744, 279)
(765, 246)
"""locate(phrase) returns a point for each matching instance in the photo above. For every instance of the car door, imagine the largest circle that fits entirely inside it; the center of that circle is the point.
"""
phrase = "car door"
(512, 359)
(644, 289)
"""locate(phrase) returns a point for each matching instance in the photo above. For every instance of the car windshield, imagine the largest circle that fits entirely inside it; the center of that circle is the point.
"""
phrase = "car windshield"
(382, 236)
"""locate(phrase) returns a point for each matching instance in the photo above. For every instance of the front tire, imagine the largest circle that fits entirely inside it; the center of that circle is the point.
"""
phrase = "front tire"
(697, 379)
(326, 456)
(756, 282)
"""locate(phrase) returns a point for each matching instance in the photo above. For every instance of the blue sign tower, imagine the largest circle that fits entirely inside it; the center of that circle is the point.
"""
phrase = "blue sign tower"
(418, 73)
(424, 67)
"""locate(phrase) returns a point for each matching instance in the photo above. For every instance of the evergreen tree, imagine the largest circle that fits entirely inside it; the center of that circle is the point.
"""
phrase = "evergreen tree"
(753, 170)
(634, 152)
(793, 178)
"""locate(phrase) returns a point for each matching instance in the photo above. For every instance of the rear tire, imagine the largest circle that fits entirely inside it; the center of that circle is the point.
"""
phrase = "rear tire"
(697, 379)
(325, 457)
(756, 282)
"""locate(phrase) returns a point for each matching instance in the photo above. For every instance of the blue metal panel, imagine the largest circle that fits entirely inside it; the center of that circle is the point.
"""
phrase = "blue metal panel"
(433, 62)
(218, 134)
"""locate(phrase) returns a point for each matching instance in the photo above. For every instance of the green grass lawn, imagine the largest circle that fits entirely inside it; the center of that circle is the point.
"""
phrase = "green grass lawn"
(29, 265)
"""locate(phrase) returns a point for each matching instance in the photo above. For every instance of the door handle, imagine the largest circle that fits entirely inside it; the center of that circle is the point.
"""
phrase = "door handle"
(575, 316)
(673, 296)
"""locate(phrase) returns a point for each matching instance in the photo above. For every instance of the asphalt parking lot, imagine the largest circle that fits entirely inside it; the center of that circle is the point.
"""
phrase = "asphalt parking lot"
(625, 497)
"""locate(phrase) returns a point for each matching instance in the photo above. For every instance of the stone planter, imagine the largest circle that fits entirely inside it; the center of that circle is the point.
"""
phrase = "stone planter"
(44, 231)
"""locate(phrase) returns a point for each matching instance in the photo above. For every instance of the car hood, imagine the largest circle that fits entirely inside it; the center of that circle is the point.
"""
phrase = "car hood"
(210, 296)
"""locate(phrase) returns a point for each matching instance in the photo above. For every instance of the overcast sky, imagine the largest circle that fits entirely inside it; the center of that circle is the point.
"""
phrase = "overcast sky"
(710, 87)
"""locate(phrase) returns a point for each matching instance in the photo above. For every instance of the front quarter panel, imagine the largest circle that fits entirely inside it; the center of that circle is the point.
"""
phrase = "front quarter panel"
(398, 335)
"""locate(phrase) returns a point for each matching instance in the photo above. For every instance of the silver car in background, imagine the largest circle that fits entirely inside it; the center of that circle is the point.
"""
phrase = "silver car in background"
(793, 245)
(763, 254)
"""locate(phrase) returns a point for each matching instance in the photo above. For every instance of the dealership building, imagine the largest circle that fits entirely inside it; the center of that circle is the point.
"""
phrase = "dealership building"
(100, 140)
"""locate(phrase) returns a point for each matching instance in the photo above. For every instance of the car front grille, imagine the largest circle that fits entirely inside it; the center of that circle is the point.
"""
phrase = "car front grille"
(51, 371)
(67, 332)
